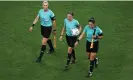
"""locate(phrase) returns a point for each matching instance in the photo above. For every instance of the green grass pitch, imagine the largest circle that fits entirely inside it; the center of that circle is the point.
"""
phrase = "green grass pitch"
(19, 48)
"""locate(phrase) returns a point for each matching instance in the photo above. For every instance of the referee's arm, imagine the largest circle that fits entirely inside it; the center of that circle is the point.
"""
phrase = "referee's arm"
(81, 36)
(100, 36)
(54, 25)
(54, 21)
(34, 22)
(36, 19)
(63, 29)
(80, 28)
(62, 32)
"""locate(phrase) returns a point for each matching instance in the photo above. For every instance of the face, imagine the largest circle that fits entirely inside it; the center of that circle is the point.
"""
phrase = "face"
(91, 24)
(45, 6)
(69, 17)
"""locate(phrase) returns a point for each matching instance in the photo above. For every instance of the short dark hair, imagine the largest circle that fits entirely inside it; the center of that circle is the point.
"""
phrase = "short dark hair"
(92, 19)
(71, 13)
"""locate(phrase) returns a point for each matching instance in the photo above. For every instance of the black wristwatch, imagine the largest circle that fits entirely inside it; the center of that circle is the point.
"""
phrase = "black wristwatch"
(54, 30)
(78, 40)
(33, 25)
(96, 37)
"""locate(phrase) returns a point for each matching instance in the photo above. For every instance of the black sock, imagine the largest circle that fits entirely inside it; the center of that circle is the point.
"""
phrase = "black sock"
(50, 44)
(68, 58)
(91, 65)
(73, 54)
(95, 60)
(43, 48)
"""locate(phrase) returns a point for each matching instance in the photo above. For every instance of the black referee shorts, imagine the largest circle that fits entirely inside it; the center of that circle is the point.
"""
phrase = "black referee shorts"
(71, 40)
(46, 31)
(95, 47)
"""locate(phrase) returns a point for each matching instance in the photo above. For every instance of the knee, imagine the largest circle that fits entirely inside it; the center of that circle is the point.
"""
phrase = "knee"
(91, 58)
(44, 41)
(70, 49)
(49, 40)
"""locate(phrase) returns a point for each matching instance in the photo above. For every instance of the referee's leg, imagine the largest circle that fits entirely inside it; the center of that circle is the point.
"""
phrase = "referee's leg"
(69, 57)
(92, 57)
(95, 50)
(73, 51)
(73, 57)
(70, 48)
(43, 48)
(89, 50)
(49, 42)
(45, 32)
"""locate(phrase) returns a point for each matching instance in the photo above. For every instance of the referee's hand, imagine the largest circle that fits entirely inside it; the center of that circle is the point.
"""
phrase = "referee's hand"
(94, 36)
(31, 28)
(76, 43)
(60, 38)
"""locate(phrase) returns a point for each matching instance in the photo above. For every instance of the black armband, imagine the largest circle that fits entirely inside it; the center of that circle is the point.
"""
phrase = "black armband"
(101, 34)
(53, 18)
(33, 25)
(61, 35)
(54, 30)
(77, 25)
